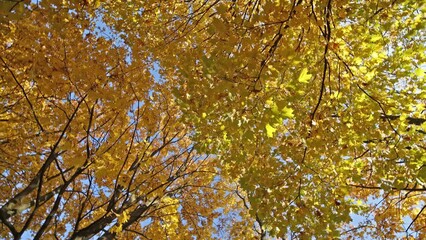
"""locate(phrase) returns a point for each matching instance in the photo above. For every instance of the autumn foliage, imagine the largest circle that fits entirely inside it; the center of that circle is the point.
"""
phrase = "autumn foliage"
(208, 119)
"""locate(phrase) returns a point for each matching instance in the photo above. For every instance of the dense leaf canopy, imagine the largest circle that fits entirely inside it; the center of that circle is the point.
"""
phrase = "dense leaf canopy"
(242, 119)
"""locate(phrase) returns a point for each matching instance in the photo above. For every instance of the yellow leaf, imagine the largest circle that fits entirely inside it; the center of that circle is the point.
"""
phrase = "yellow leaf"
(419, 72)
(116, 229)
(124, 217)
(97, 3)
(270, 130)
(304, 76)
(287, 112)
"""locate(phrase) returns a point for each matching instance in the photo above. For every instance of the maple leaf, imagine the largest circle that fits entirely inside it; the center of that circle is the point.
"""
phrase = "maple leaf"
(270, 130)
(304, 77)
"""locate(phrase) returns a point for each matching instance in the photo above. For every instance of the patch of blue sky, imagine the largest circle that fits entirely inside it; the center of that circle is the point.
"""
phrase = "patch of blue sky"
(155, 72)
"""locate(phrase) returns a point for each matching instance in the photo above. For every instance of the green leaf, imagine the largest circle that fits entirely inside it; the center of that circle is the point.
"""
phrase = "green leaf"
(304, 76)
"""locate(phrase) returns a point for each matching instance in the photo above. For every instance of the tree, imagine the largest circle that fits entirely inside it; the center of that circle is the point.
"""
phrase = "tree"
(304, 118)
(91, 144)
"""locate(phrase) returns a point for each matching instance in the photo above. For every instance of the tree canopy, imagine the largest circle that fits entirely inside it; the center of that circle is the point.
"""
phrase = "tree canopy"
(209, 119)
